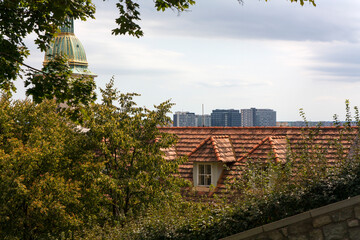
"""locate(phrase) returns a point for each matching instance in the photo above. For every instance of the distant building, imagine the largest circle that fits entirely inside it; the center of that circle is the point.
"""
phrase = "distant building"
(203, 120)
(258, 117)
(184, 119)
(248, 117)
(265, 117)
(308, 124)
(225, 118)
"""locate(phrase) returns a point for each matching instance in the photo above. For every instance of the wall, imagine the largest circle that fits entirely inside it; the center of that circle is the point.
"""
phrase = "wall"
(340, 220)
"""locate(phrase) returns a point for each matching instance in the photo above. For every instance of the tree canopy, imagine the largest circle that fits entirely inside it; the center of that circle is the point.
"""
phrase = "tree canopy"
(56, 176)
(48, 174)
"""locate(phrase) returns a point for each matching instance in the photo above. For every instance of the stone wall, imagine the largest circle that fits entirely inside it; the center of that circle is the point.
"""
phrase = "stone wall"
(338, 221)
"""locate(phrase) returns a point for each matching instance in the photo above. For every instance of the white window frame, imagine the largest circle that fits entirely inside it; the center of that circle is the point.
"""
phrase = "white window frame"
(204, 176)
(216, 170)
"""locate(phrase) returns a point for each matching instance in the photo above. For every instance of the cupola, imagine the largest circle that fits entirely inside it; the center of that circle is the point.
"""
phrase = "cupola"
(67, 44)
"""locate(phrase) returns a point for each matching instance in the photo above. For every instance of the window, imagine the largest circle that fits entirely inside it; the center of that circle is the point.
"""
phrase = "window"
(204, 175)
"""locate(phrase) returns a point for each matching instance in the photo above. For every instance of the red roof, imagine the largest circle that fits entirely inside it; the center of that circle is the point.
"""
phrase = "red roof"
(235, 145)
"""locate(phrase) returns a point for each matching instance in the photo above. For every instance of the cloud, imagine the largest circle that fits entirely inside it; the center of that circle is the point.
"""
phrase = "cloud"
(259, 20)
(338, 73)
(336, 61)
(229, 83)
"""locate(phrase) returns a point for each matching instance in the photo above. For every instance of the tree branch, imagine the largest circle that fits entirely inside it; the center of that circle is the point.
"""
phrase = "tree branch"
(24, 64)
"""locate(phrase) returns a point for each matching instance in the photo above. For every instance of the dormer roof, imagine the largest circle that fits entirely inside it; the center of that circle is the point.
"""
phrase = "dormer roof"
(273, 145)
(213, 149)
(234, 146)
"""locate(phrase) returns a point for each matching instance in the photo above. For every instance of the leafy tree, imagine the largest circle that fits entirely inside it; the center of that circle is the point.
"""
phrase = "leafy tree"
(19, 18)
(130, 145)
(56, 177)
(56, 81)
(48, 176)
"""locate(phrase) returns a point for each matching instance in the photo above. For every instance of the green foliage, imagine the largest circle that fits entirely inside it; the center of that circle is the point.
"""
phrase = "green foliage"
(214, 221)
(270, 191)
(19, 18)
(129, 14)
(48, 179)
(57, 81)
(58, 178)
(129, 144)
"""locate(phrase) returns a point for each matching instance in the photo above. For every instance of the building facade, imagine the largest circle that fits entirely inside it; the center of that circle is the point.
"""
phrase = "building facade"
(184, 119)
(248, 117)
(203, 120)
(225, 118)
(265, 118)
(258, 117)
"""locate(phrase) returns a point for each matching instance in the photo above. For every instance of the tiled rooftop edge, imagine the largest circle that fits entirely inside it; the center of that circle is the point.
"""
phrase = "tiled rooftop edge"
(254, 127)
(296, 218)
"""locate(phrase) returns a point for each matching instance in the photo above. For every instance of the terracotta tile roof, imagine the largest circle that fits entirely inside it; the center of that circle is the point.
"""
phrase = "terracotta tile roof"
(225, 144)
(170, 153)
(213, 149)
(223, 148)
(273, 145)
(280, 147)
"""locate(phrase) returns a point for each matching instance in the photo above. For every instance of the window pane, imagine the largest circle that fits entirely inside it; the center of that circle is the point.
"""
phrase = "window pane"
(201, 169)
(204, 174)
(208, 169)
(201, 180)
(208, 180)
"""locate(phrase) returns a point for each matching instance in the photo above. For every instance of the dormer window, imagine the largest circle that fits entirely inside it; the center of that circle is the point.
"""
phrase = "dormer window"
(204, 175)
(208, 160)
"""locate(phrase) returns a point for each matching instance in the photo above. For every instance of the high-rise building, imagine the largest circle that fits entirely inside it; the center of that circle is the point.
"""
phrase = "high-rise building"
(265, 117)
(226, 118)
(248, 117)
(203, 120)
(184, 119)
(258, 117)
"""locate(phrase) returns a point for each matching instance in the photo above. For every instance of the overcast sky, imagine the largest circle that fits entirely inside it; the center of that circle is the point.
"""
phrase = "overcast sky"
(222, 54)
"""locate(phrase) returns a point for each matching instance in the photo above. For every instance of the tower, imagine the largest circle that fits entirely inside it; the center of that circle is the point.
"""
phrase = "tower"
(67, 44)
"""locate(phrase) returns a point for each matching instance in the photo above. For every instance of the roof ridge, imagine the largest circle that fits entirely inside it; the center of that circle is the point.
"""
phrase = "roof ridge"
(254, 148)
(199, 146)
(274, 148)
(216, 149)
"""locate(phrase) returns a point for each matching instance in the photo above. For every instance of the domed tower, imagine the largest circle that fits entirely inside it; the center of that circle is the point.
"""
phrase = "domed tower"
(67, 44)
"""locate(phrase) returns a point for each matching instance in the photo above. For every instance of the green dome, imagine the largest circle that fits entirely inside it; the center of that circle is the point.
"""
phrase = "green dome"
(67, 44)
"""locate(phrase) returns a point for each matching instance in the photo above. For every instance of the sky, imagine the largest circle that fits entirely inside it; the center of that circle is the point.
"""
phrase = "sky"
(225, 55)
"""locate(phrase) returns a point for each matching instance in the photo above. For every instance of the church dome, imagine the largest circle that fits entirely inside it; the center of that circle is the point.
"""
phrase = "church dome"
(67, 44)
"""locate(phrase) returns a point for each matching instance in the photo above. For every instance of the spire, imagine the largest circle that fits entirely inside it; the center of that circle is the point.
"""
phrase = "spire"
(68, 26)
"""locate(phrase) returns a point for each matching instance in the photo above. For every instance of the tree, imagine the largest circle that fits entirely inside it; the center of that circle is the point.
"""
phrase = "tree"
(56, 81)
(19, 18)
(57, 177)
(49, 179)
(130, 145)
